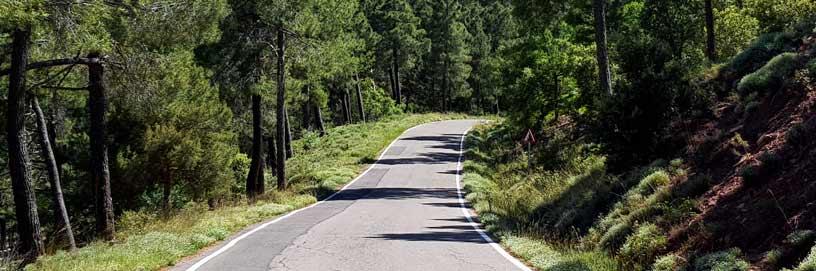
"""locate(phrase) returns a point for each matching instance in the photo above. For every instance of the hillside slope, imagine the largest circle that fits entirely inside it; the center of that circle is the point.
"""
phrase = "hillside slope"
(739, 195)
(760, 156)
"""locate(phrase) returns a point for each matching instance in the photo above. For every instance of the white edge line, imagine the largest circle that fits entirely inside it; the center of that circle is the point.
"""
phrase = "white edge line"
(264, 225)
(466, 211)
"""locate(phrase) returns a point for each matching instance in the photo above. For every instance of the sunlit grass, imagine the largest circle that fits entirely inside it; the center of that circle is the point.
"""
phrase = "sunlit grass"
(147, 240)
(546, 257)
(160, 241)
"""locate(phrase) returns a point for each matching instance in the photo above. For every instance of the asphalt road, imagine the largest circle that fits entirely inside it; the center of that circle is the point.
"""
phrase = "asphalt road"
(404, 213)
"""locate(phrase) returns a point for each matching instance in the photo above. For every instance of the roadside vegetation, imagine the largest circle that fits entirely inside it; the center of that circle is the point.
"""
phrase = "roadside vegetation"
(698, 163)
(150, 240)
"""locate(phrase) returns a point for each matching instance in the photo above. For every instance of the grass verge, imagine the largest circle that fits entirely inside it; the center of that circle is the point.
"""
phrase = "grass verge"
(147, 240)
(515, 201)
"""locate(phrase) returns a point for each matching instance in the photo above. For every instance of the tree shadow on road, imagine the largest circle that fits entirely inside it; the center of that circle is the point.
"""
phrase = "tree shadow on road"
(461, 235)
(395, 193)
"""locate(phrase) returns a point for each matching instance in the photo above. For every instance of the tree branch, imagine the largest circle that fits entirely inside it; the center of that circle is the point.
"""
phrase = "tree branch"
(65, 88)
(56, 62)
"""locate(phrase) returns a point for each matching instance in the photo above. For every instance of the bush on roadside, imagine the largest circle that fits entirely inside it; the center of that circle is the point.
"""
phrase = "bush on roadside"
(669, 262)
(771, 76)
(726, 260)
(652, 182)
(809, 263)
(613, 238)
(642, 247)
(758, 53)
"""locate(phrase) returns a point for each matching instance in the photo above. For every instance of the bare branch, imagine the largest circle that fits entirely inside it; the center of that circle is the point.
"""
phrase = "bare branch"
(65, 88)
(57, 62)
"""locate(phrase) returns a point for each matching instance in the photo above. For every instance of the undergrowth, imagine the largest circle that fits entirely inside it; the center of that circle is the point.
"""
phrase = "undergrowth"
(578, 215)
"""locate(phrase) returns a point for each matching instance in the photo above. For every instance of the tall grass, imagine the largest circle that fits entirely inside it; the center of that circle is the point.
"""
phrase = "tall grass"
(575, 215)
(535, 209)
(147, 240)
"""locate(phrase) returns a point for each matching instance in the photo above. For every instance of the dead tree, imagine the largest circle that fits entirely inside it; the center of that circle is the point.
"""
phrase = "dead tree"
(62, 221)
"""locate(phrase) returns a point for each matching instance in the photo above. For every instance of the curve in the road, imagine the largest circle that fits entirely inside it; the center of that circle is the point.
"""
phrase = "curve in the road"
(397, 199)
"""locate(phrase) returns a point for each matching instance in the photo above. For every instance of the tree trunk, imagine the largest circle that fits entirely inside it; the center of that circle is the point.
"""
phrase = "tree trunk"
(255, 175)
(270, 156)
(281, 111)
(391, 81)
(167, 188)
(557, 98)
(56, 127)
(98, 103)
(306, 115)
(711, 41)
(604, 73)
(25, 203)
(289, 152)
(344, 102)
(360, 105)
(3, 234)
(61, 219)
(319, 120)
(445, 88)
(398, 92)
(498, 111)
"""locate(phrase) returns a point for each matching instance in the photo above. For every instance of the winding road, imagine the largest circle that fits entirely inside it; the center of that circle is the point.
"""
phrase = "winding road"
(405, 212)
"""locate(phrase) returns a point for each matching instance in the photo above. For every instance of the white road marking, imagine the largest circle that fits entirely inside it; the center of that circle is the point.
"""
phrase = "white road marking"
(465, 211)
(264, 225)
(472, 223)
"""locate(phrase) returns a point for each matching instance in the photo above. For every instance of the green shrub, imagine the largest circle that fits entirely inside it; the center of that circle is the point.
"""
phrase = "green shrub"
(757, 54)
(662, 195)
(801, 239)
(642, 247)
(645, 213)
(676, 212)
(669, 262)
(809, 263)
(771, 76)
(726, 260)
(615, 236)
(652, 182)
(773, 257)
(472, 166)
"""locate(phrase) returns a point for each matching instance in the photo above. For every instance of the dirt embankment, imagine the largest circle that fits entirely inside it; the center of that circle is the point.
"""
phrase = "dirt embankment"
(761, 162)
